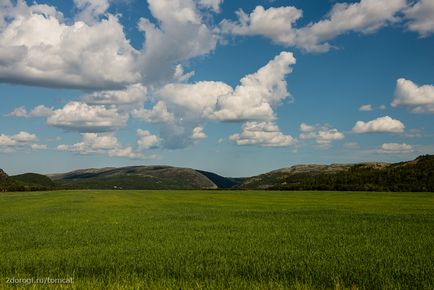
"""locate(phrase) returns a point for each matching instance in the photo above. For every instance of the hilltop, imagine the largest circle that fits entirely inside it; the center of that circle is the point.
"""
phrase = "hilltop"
(415, 175)
(139, 177)
(24, 182)
(34, 180)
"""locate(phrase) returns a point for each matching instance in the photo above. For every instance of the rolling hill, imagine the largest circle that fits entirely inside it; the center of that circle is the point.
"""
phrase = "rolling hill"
(415, 175)
(25, 182)
(34, 181)
(139, 177)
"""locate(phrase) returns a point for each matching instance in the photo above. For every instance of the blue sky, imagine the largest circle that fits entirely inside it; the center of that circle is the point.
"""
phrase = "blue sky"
(234, 87)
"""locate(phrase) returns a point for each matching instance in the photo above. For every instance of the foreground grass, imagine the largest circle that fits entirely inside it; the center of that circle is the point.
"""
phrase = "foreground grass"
(219, 239)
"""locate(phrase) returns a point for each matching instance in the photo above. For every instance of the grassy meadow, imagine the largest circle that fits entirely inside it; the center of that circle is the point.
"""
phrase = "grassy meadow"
(218, 239)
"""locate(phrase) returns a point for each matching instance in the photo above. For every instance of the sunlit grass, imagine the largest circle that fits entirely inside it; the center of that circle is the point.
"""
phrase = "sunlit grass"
(219, 239)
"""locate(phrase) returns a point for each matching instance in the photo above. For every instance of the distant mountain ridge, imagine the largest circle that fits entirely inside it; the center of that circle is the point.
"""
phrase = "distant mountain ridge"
(415, 175)
(275, 177)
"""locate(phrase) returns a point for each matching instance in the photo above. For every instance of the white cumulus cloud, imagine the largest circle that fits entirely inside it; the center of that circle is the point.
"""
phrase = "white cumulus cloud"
(380, 125)
(396, 148)
(421, 17)
(6, 140)
(77, 116)
(19, 141)
(419, 99)
(158, 114)
(199, 98)
(181, 35)
(277, 23)
(366, 108)
(39, 48)
(105, 143)
(192, 104)
(253, 99)
(264, 134)
(198, 133)
(24, 137)
(38, 111)
(257, 94)
(147, 140)
(323, 134)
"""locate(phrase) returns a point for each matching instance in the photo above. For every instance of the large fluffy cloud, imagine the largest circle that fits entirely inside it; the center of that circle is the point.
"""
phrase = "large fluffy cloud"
(184, 107)
(100, 111)
(77, 116)
(106, 143)
(189, 105)
(366, 16)
(197, 99)
(39, 47)
(265, 134)
(419, 98)
(91, 142)
(277, 24)
(258, 93)
(253, 99)
(380, 125)
(180, 35)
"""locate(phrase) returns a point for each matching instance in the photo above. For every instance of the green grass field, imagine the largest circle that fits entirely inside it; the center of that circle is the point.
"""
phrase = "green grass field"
(218, 239)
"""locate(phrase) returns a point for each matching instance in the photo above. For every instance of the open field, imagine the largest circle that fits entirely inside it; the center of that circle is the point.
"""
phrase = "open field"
(219, 239)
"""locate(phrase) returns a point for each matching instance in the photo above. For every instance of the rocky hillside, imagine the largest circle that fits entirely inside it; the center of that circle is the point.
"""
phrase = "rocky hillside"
(272, 178)
(415, 175)
(3, 175)
(6, 183)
